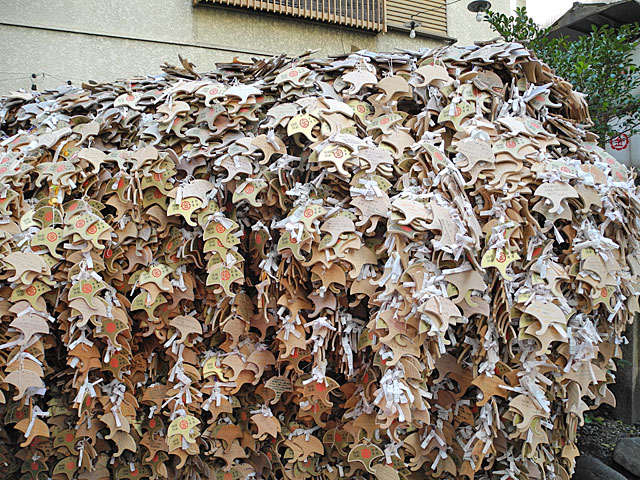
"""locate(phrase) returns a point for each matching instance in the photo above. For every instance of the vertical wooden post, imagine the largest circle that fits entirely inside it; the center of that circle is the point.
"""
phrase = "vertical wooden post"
(627, 387)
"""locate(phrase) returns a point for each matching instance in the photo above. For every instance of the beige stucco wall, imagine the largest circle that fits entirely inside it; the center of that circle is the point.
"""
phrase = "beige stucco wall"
(107, 39)
(463, 26)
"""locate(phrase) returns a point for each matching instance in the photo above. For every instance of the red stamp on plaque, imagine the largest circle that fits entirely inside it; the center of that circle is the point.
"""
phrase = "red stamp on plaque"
(620, 142)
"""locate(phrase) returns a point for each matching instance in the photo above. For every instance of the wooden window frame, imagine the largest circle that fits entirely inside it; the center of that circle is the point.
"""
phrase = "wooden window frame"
(433, 19)
(350, 13)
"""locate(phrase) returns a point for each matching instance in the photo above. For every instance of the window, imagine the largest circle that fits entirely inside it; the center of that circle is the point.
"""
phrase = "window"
(433, 21)
(365, 14)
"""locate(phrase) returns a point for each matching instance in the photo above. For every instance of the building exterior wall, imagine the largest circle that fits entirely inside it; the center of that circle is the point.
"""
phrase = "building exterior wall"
(462, 24)
(108, 39)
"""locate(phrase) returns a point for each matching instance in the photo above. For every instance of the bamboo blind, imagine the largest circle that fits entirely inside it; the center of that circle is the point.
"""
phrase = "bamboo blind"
(365, 14)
